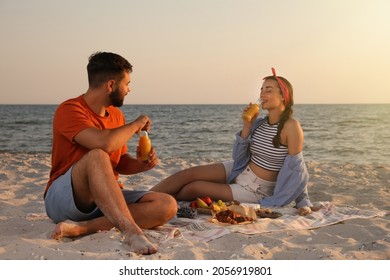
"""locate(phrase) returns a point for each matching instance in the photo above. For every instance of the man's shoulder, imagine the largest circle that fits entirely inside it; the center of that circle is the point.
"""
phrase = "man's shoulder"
(115, 111)
(72, 101)
(75, 103)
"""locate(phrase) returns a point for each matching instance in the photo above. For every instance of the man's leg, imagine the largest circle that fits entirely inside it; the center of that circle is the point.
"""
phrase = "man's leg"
(94, 184)
(152, 210)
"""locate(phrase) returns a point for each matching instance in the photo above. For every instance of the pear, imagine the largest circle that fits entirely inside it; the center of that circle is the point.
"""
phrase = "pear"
(201, 203)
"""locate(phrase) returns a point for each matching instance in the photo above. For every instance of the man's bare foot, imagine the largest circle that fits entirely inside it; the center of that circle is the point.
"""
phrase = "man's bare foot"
(140, 244)
(66, 229)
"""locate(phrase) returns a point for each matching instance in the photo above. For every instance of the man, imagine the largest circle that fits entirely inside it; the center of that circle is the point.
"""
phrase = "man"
(89, 151)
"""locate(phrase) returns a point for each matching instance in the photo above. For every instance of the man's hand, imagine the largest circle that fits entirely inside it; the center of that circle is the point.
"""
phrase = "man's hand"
(129, 165)
(143, 122)
(151, 162)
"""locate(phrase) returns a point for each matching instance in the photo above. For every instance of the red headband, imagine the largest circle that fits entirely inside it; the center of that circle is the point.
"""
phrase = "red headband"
(283, 88)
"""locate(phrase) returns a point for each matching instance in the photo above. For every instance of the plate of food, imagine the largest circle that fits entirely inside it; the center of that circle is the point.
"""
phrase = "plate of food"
(234, 215)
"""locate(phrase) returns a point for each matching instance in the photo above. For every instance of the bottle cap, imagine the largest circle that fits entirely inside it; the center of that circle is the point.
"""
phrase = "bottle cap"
(143, 133)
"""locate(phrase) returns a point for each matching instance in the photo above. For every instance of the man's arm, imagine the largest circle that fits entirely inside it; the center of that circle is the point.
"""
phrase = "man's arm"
(110, 140)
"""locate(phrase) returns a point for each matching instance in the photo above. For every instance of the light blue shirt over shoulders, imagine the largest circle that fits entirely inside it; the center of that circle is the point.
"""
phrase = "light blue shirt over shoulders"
(291, 182)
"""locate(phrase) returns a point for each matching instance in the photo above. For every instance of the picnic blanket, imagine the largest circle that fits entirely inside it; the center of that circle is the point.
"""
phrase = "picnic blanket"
(202, 229)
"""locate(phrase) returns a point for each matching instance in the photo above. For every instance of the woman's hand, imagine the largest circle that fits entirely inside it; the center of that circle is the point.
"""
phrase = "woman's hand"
(247, 125)
(252, 120)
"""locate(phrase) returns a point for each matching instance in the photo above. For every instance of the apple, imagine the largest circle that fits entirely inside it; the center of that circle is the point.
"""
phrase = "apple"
(193, 204)
(207, 200)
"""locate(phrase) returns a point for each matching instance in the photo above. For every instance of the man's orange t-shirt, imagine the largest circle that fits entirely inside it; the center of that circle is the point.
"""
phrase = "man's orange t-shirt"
(71, 117)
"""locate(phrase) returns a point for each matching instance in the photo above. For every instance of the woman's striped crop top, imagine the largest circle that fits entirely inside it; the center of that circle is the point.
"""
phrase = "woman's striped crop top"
(264, 154)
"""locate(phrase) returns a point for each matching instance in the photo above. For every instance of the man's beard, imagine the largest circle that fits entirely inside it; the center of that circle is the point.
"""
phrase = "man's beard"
(116, 99)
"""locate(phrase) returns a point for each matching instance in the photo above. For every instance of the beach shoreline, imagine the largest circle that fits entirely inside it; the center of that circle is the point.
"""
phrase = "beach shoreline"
(25, 231)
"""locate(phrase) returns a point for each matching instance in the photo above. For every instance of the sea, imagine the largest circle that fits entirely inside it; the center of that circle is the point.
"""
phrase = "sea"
(339, 133)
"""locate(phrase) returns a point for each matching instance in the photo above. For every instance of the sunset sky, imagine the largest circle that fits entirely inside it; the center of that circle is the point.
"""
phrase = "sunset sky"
(198, 51)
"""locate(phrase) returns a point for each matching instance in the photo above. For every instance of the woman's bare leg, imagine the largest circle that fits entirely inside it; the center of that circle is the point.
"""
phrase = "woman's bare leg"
(196, 189)
(213, 173)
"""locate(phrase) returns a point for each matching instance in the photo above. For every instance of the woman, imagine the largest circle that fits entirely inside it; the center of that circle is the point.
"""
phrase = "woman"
(268, 165)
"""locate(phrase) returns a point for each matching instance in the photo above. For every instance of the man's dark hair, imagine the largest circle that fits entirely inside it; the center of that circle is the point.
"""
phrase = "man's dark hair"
(104, 66)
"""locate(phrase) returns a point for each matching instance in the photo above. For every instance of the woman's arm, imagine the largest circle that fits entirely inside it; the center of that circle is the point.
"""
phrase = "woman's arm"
(291, 184)
(292, 136)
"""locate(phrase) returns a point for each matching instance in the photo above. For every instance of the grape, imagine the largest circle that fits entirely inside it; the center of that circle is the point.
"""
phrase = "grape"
(186, 212)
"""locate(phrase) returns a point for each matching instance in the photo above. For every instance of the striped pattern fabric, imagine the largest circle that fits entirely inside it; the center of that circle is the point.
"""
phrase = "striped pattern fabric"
(264, 154)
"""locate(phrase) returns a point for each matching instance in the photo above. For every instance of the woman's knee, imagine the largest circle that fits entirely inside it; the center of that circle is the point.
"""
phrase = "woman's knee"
(190, 191)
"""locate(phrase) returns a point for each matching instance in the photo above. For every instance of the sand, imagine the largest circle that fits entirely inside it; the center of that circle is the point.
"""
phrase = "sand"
(25, 229)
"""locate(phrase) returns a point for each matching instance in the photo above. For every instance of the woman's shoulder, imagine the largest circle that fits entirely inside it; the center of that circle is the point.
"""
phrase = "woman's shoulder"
(293, 127)
(293, 135)
(292, 123)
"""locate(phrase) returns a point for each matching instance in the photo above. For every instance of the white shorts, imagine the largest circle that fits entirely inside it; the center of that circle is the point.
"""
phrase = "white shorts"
(247, 187)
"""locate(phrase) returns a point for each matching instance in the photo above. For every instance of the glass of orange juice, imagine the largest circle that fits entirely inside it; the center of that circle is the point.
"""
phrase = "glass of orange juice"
(251, 111)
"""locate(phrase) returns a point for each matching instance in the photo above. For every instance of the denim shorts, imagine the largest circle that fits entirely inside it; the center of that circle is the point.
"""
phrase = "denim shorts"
(60, 205)
(247, 187)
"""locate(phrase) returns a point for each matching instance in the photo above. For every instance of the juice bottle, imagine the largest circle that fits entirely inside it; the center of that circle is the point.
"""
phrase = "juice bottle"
(145, 146)
(252, 110)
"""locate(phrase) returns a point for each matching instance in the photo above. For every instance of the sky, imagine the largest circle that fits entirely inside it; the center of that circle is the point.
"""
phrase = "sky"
(198, 51)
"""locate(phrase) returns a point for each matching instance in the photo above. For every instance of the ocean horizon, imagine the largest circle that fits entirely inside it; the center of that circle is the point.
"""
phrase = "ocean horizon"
(342, 133)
